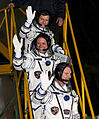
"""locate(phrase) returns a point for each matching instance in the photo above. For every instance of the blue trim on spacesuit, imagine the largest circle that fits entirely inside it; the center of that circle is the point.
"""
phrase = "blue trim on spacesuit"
(40, 93)
(26, 26)
(59, 89)
(17, 58)
(39, 29)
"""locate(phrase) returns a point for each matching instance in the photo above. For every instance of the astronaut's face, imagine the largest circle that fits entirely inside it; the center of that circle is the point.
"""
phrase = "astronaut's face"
(43, 20)
(41, 45)
(66, 74)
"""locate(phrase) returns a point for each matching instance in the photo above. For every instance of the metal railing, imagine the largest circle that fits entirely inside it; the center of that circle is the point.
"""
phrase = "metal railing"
(83, 81)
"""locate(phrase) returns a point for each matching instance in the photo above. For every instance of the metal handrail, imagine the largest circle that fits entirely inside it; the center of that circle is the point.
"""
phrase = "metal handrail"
(80, 67)
(67, 52)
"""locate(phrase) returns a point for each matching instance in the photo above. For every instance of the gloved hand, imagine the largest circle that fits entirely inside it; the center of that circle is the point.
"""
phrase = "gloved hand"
(17, 46)
(30, 15)
(45, 81)
(58, 49)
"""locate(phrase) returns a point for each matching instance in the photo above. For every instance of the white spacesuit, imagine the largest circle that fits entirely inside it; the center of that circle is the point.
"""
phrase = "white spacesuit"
(31, 29)
(33, 63)
(52, 101)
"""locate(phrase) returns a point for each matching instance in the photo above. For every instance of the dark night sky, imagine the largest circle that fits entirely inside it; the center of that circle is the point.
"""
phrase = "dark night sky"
(85, 21)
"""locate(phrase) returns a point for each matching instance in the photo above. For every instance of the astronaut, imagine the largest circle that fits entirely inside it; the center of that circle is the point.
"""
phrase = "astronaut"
(54, 98)
(35, 24)
(39, 59)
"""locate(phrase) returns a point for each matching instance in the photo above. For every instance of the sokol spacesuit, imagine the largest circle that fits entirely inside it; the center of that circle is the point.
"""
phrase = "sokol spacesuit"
(34, 62)
(56, 100)
(32, 28)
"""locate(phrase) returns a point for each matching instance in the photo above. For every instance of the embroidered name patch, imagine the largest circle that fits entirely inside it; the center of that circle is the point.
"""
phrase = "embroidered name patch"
(54, 110)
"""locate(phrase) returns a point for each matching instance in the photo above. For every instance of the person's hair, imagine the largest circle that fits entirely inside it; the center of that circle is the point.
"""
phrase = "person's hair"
(59, 69)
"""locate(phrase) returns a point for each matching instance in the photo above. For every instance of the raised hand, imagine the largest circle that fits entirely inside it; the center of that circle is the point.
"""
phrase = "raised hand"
(17, 46)
(58, 49)
(30, 15)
